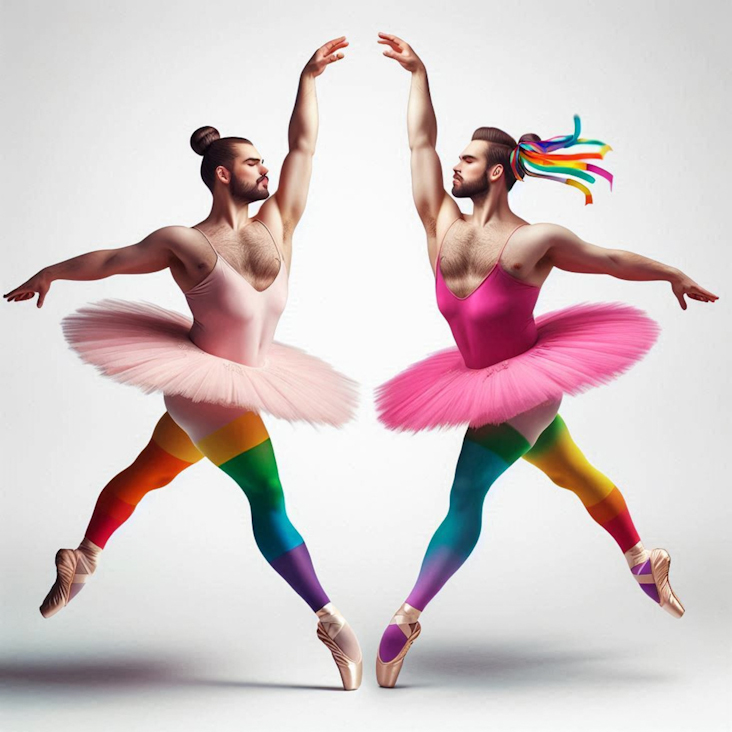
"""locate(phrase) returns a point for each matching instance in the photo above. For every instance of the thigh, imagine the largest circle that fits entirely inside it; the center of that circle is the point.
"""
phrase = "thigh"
(204, 419)
(532, 423)
(232, 438)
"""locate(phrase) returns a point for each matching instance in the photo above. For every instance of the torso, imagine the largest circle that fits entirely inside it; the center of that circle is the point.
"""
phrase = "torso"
(239, 301)
(469, 252)
(490, 310)
(252, 252)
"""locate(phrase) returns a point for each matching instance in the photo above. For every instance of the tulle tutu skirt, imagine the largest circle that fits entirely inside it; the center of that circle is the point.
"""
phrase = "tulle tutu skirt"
(578, 347)
(148, 346)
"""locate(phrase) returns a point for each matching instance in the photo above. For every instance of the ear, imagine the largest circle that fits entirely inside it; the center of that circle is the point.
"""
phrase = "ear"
(496, 173)
(223, 174)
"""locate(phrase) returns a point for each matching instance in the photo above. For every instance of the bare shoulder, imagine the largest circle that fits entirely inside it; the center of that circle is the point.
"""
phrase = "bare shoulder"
(543, 233)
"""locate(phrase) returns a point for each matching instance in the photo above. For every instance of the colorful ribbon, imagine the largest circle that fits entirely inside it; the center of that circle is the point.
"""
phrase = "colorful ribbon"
(537, 155)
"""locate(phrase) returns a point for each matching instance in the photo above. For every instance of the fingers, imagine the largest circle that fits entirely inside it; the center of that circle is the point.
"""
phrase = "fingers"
(390, 38)
(18, 294)
(335, 44)
(333, 57)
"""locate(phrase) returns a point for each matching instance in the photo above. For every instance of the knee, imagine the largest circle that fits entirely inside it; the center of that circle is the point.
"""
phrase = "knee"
(265, 492)
(466, 496)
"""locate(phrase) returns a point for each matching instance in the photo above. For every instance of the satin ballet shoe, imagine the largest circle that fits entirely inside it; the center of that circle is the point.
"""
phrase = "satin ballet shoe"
(330, 624)
(387, 672)
(652, 575)
(73, 568)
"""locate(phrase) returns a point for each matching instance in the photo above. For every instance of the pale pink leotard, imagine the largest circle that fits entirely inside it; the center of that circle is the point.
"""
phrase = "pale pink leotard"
(232, 319)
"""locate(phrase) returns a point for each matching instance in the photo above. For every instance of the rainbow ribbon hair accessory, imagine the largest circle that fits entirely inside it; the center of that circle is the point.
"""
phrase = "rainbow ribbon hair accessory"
(537, 155)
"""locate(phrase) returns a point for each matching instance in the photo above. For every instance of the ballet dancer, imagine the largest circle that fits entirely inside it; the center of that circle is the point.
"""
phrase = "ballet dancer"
(507, 376)
(219, 371)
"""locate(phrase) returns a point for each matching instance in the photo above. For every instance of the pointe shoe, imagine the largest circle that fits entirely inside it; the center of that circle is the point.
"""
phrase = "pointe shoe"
(660, 564)
(330, 624)
(72, 568)
(387, 672)
(654, 571)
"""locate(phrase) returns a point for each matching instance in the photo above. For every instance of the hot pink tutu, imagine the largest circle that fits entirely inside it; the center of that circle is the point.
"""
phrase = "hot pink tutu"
(148, 346)
(578, 347)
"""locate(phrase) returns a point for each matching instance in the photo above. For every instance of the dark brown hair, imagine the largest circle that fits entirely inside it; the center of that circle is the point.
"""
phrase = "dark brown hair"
(500, 147)
(216, 150)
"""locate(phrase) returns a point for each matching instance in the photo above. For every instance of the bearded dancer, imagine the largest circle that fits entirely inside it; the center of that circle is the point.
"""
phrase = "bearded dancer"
(507, 376)
(220, 370)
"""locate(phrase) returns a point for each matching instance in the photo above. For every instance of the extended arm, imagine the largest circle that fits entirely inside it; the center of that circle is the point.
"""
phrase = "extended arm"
(435, 206)
(154, 253)
(567, 251)
(288, 202)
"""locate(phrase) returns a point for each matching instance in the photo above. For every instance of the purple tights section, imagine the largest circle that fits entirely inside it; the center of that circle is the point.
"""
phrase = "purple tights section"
(392, 642)
(651, 591)
(296, 568)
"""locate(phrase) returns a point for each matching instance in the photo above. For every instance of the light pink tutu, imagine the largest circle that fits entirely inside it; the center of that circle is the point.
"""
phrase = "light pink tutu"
(578, 347)
(148, 346)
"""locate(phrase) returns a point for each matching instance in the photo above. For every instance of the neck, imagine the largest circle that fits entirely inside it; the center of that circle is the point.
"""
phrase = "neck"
(226, 212)
(492, 206)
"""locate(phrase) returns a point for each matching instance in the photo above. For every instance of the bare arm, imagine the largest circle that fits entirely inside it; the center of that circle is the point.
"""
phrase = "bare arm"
(154, 253)
(567, 251)
(288, 202)
(435, 206)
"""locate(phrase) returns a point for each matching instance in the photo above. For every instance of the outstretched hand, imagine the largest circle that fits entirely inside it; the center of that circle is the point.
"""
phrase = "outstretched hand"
(401, 51)
(686, 286)
(39, 283)
(325, 55)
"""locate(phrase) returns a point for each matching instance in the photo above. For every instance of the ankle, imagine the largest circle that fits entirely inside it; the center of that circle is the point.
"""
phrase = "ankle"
(636, 555)
(92, 553)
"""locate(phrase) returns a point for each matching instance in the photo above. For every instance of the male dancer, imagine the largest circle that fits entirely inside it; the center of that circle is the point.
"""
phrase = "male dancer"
(234, 171)
(540, 436)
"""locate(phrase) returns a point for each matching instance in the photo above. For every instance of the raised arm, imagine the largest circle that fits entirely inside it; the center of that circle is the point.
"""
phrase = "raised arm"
(436, 208)
(287, 204)
(567, 251)
(154, 253)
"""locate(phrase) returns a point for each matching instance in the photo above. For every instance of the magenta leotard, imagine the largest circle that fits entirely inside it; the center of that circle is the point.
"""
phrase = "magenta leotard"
(505, 362)
(496, 320)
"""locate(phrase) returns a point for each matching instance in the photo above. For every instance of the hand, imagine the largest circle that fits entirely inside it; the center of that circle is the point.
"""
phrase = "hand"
(684, 285)
(325, 55)
(402, 52)
(39, 283)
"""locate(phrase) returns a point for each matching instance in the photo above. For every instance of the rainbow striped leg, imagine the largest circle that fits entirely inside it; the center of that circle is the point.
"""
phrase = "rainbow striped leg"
(168, 452)
(487, 452)
(238, 443)
(558, 456)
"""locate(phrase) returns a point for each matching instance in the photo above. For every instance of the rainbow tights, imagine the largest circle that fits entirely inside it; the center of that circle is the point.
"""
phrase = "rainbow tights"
(541, 437)
(238, 444)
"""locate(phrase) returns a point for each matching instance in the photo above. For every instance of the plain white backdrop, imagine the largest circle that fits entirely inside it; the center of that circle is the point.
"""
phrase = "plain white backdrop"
(185, 627)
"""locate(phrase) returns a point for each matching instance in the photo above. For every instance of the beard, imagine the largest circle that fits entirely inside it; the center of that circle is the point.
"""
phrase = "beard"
(468, 190)
(247, 193)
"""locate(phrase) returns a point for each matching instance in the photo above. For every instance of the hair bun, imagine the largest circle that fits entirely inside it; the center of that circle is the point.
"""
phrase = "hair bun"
(202, 138)
(529, 137)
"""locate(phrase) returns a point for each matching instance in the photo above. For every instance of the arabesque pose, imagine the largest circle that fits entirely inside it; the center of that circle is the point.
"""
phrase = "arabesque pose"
(509, 371)
(219, 371)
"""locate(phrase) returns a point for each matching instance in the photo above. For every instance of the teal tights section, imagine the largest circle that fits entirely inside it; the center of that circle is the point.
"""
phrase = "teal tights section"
(255, 470)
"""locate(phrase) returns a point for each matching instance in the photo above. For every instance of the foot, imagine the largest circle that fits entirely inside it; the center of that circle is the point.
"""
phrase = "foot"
(73, 568)
(652, 575)
(338, 636)
(398, 637)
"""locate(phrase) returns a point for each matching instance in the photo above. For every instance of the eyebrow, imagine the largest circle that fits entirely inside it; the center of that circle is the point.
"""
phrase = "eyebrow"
(256, 160)
(463, 157)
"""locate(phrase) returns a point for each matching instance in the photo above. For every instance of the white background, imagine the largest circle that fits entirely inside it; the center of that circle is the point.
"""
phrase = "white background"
(185, 627)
